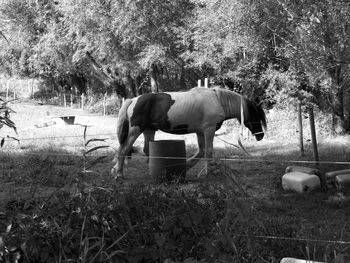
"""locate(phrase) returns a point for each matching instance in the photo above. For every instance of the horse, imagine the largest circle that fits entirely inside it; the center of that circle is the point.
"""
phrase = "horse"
(199, 110)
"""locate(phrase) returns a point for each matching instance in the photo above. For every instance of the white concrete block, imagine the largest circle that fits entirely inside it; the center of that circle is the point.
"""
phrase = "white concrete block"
(295, 260)
(307, 170)
(333, 174)
(300, 182)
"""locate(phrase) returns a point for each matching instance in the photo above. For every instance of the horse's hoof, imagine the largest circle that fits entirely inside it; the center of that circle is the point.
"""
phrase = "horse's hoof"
(116, 175)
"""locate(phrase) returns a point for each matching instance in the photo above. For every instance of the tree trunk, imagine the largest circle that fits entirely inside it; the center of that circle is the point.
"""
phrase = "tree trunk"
(105, 78)
(346, 103)
(338, 122)
(137, 85)
(153, 74)
(130, 84)
(338, 108)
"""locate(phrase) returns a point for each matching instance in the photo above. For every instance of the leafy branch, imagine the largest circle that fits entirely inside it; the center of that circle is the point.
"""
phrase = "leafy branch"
(5, 119)
(89, 161)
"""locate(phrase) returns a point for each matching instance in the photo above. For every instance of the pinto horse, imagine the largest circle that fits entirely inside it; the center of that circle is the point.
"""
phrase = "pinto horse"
(199, 110)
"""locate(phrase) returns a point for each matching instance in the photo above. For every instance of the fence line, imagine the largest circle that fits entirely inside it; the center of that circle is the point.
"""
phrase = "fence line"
(225, 159)
(60, 137)
(341, 242)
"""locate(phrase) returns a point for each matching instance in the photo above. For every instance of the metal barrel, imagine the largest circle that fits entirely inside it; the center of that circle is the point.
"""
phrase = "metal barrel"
(167, 160)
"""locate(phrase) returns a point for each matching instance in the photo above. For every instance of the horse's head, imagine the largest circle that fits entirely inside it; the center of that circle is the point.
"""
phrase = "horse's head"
(256, 120)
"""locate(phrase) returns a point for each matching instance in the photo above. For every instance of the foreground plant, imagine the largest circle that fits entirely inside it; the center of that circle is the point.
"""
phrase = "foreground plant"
(210, 222)
(5, 118)
(89, 161)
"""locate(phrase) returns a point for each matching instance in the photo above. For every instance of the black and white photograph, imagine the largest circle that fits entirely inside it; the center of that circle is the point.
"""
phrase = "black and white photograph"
(175, 131)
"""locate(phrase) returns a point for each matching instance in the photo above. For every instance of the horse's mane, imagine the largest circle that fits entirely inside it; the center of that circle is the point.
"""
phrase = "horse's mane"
(231, 101)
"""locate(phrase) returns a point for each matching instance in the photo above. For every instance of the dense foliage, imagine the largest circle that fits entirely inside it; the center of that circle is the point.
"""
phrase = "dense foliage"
(276, 50)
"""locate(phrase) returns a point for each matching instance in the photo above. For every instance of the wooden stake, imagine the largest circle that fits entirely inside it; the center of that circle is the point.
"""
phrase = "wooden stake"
(104, 103)
(242, 118)
(64, 100)
(82, 101)
(32, 88)
(301, 135)
(313, 134)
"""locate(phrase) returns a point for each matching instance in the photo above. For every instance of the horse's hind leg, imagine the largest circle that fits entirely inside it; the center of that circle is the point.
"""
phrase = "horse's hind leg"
(124, 150)
(208, 153)
(148, 136)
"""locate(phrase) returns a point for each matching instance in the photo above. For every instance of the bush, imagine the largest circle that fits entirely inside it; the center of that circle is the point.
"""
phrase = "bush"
(5, 120)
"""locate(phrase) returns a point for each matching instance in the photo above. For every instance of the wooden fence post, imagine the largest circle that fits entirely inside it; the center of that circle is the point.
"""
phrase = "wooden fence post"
(300, 124)
(199, 83)
(104, 103)
(206, 82)
(82, 101)
(28, 86)
(313, 134)
(33, 88)
(21, 85)
(64, 100)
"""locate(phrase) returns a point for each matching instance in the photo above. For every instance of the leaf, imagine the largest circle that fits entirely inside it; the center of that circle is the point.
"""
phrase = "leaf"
(96, 148)
(8, 228)
(94, 140)
(13, 138)
(85, 129)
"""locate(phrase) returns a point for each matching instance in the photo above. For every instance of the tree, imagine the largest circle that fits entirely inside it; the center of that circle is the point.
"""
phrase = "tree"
(316, 41)
(131, 39)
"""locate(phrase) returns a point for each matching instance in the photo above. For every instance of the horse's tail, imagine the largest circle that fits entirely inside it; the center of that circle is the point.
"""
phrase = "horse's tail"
(123, 122)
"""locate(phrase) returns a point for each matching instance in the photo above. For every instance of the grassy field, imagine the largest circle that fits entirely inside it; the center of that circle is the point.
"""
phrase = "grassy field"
(53, 210)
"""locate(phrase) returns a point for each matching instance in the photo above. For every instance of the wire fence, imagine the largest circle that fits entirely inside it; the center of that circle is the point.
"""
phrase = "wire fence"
(225, 159)
(113, 136)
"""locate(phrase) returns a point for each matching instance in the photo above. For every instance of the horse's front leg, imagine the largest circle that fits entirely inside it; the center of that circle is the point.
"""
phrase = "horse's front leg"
(148, 136)
(124, 150)
(193, 160)
(208, 149)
